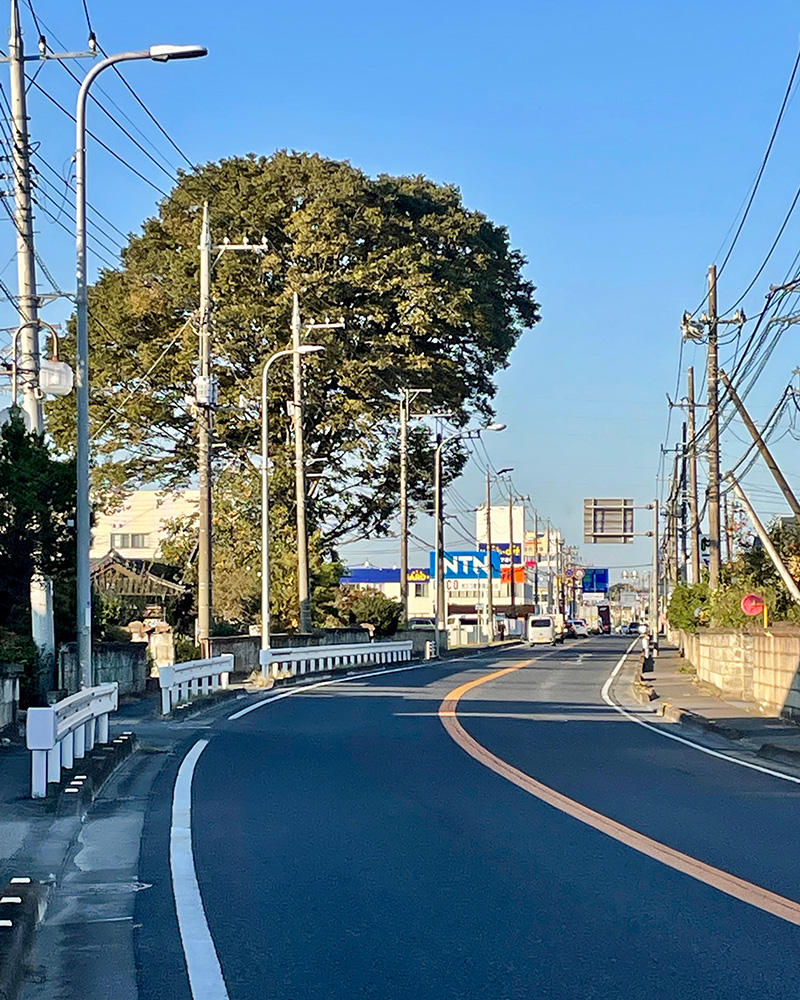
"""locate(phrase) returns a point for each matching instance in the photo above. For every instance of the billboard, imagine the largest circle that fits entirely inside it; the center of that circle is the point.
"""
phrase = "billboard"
(595, 580)
(467, 565)
(502, 548)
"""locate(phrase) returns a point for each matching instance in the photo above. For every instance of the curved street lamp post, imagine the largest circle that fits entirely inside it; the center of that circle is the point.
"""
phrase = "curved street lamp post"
(158, 53)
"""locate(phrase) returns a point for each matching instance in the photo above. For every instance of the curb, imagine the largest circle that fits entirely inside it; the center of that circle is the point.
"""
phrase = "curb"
(21, 908)
(694, 721)
(186, 708)
(80, 785)
(782, 755)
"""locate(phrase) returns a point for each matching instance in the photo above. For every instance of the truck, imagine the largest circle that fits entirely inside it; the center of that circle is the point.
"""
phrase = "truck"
(604, 618)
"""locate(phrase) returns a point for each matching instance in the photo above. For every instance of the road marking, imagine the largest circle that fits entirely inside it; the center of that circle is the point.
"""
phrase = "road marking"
(731, 885)
(202, 963)
(659, 731)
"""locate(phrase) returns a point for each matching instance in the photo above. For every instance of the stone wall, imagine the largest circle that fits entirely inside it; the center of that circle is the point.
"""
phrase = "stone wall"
(753, 664)
(123, 662)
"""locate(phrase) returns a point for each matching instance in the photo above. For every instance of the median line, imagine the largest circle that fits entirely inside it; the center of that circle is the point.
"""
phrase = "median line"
(731, 885)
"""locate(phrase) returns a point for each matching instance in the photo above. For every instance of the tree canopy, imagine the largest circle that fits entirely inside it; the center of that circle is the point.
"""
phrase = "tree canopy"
(431, 293)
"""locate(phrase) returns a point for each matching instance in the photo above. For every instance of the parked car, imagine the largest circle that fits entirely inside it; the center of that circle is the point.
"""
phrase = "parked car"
(632, 628)
(416, 623)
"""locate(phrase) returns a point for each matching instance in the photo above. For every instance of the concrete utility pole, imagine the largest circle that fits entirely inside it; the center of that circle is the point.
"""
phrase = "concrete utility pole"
(761, 444)
(438, 544)
(549, 569)
(694, 525)
(407, 397)
(714, 532)
(300, 472)
(205, 399)
(27, 303)
(654, 581)
(536, 562)
(684, 575)
(303, 588)
(489, 573)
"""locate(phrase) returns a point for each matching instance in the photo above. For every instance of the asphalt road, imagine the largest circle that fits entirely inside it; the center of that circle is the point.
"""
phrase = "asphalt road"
(347, 847)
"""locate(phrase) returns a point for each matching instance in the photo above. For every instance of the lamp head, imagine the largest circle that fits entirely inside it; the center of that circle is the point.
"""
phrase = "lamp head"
(310, 348)
(163, 53)
(495, 427)
(502, 472)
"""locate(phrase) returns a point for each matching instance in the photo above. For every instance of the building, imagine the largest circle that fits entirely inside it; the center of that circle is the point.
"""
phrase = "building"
(387, 581)
(137, 528)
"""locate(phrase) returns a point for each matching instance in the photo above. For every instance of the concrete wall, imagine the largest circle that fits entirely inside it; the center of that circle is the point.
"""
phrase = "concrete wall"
(754, 664)
(9, 694)
(245, 648)
(123, 662)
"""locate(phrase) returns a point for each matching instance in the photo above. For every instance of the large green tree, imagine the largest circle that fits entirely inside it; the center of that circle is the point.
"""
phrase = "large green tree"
(431, 293)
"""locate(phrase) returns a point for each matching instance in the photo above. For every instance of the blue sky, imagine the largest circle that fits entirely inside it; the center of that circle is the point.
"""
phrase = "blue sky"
(616, 140)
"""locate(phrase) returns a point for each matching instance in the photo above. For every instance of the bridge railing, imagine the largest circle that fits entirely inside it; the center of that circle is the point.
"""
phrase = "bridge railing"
(185, 681)
(60, 734)
(298, 661)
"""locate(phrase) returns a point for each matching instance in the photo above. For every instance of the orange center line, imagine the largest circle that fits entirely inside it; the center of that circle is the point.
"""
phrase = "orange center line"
(732, 885)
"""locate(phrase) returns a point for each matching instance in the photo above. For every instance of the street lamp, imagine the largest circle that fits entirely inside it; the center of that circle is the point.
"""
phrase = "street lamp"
(441, 621)
(302, 349)
(159, 53)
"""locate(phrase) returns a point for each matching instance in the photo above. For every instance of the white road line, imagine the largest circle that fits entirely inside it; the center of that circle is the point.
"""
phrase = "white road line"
(202, 963)
(606, 694)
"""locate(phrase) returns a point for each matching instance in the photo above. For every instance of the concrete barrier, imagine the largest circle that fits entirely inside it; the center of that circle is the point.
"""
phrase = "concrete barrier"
(21, 908)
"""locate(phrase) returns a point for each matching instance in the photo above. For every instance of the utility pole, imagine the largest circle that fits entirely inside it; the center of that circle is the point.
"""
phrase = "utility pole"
(694, 525)
(761, 444)
(684, 489)
(27, 303)
(512, 594)
(654, 582)
(441, 616)
(714, 532)
(205, 397)
(489, 580)
(300, 472)
(303, 588)
(407, 396)
(536, 565)
(549, 569)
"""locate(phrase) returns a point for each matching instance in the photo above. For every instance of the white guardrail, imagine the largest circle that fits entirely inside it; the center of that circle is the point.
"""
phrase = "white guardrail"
(185, 681)
(59, 735)
(297, 661)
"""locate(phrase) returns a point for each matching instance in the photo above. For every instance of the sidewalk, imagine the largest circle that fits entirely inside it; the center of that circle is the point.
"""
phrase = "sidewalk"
(672, 690)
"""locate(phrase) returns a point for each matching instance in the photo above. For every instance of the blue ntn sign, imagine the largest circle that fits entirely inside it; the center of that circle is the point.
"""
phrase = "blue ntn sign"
(467, 565)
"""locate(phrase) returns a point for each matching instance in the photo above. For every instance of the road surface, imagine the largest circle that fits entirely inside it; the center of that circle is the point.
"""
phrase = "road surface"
(380, 839)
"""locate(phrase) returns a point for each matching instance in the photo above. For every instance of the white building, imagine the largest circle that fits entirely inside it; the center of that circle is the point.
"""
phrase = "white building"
(137, 528)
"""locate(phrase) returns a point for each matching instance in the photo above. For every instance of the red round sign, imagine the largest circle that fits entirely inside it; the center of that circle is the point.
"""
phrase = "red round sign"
(752, 605)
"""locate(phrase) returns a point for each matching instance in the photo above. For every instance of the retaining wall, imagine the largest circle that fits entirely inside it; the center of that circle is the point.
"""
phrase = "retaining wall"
(123, 662)
(753, 664)
(245, 648)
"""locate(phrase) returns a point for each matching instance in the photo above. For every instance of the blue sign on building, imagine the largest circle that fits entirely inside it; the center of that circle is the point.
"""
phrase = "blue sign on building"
(595, 581)
(467, 565)
(502, 548)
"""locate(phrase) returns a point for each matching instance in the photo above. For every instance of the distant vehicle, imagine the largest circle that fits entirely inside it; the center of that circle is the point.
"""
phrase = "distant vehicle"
(542, 630)
(415, 623)
(632, 628)
(579, 628)
(604, 619)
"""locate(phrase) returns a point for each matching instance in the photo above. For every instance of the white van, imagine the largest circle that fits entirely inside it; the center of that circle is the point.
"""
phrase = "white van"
(541, 630)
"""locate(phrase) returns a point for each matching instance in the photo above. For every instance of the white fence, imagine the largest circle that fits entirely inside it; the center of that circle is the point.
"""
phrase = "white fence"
(63, 733)
(185, 681)
(295, 662)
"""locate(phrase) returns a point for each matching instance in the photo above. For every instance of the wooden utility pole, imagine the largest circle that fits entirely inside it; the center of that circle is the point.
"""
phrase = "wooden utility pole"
(714, 532)
(694, 525)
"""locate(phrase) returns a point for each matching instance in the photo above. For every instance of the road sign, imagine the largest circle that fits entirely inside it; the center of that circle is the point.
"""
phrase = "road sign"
(595, 579)
(580, 572)
(607, 521)
(628, 599)
(753, 605)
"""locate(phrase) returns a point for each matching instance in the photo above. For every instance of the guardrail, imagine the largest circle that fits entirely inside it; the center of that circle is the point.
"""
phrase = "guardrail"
(295, 662)
(59, 735)
(185, 681)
